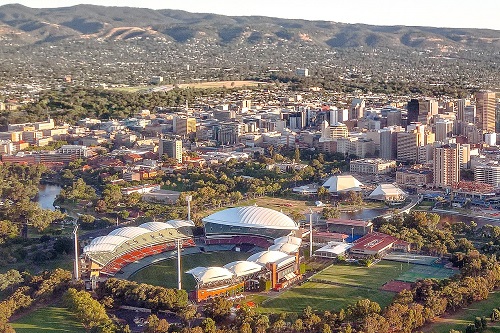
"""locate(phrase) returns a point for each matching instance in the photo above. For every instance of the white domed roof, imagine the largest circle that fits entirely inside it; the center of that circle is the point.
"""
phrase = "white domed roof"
(265, 257)
(210, 274)
(242, 268)
(156, 226)
(284, 247)
(252, 216)
(129, 232)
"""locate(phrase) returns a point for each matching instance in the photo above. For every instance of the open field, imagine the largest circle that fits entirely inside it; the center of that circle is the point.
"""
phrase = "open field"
(370, 277)
(165, 273)
(221, 84)
(321, 296)
(48, 319)
(464, 317)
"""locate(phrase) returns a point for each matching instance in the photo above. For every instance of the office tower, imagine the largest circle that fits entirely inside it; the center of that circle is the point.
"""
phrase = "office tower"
(461, 105)
(412, 111)
(184, 125)
(357, 109)
(446, 165)
(444, 129)
(486, 110)
(171, 148)
(388, 142)
(394, 117)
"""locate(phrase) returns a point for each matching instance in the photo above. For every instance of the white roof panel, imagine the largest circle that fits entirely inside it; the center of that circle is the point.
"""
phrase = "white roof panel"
(156, 226)
(129, 232)
(242, 268)
(265, 257)
(210, 274)
(252, 216)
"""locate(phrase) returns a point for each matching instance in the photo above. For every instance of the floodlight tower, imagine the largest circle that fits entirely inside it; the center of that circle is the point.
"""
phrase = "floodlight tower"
(310, 233)
(179, 277)
(189, 198)
(76, 270)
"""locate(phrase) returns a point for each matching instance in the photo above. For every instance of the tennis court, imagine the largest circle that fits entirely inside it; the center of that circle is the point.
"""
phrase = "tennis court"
(419, 272)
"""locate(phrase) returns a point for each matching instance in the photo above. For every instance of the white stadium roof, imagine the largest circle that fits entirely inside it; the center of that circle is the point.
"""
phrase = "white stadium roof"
(114, 240)
(242, 268)
(266, 257)
(210, 274)
(287, 248)
(180, 223)
(342, 183)
(156, 226)
(252, 216)
(288, 239)
(129, 232)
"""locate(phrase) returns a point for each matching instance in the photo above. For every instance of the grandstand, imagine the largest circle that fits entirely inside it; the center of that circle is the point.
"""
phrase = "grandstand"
(107, 255)
(278, 267)
(247, 225)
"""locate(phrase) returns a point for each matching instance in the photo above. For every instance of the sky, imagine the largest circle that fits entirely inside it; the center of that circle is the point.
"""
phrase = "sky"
(435, 13)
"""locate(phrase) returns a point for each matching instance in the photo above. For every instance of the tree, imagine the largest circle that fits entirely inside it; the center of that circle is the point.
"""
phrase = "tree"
(296, 155)
(87, 310)
(10, 278)
(156, 325)
(330, 213)
(208, 325)
(218, 308)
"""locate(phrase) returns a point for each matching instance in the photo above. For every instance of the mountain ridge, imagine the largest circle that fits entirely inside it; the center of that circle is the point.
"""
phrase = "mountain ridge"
(24, 25)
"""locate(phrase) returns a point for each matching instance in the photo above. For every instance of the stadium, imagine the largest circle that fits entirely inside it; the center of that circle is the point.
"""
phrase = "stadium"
(247, 225)
(256, 227)
(107, 255)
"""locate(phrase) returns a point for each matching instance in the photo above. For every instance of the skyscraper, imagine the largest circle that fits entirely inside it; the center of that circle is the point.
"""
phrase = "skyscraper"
(446, 163)
(171, 148)
(486, 110)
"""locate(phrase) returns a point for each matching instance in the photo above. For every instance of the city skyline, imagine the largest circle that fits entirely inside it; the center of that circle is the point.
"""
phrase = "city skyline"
(384, 12)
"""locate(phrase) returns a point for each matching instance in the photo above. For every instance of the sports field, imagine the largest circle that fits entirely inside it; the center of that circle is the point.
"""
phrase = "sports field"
(321, 296)
(48, 319)
(337, 286)
(164, 273)
(371, 277)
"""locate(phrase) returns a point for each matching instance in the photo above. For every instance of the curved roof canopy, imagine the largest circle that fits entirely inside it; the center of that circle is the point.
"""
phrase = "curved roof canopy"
(266, 257)
(210, 274)
(129, 232)
(252, 216)
(180, 223)
(242, 268)
(156, 226)
(288, 239)
(284, 247)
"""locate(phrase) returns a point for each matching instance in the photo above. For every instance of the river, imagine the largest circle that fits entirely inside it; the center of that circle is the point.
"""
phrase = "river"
(46, 195)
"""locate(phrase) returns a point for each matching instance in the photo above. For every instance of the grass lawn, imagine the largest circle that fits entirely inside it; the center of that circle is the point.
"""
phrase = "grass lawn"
(48, 319)
(322, 297)
(460, 320)
(165, 273)
(373, 277)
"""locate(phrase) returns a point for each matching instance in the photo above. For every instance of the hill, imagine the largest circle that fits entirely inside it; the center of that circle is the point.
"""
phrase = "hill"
(23, 25)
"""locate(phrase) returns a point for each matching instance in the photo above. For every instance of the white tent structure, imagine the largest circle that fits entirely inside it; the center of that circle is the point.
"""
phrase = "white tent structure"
(389, 193)
(342, 183)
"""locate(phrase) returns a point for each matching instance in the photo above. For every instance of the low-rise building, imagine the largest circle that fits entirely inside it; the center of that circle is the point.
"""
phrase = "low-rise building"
(372, 166)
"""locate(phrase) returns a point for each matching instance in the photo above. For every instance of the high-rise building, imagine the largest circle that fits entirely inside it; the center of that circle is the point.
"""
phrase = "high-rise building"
(486, 110)
(184, 125)
(171, 148)
(446, 165)
(412, 111)
(421, 110)
(388, 142)
(444, 129)
(461, 104)
(357, 109)
(488, 174)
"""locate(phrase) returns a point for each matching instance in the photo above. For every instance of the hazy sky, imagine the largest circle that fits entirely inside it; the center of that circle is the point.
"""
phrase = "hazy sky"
(436, 13)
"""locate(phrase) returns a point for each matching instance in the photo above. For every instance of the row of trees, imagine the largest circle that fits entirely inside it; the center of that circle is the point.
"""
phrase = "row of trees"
(115, 292)
(32, 290)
